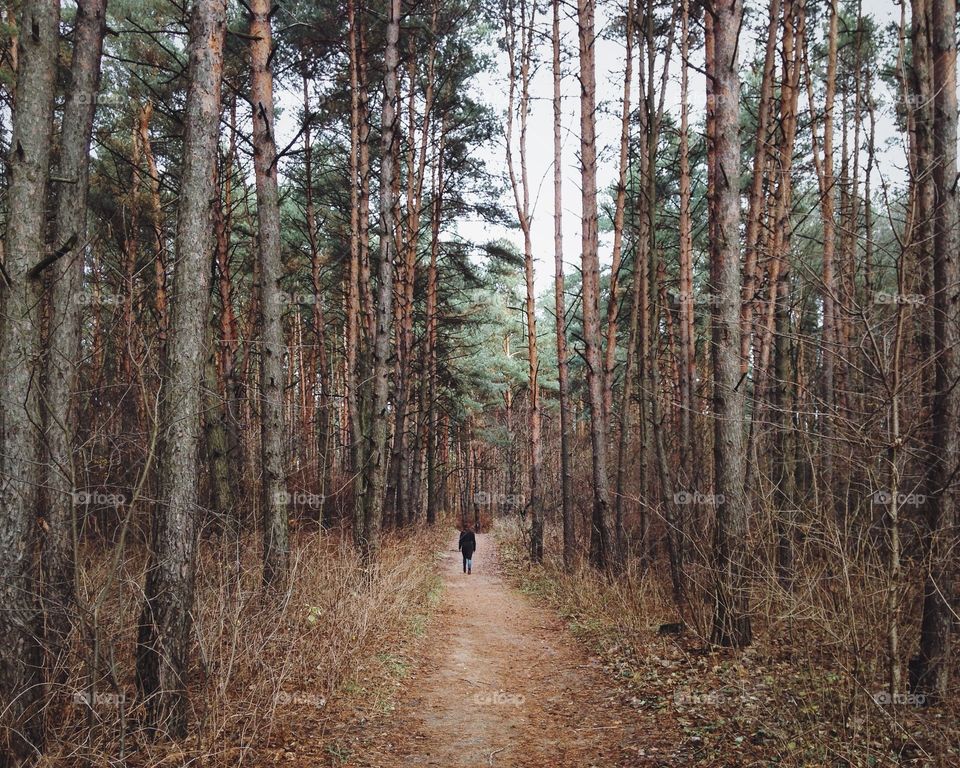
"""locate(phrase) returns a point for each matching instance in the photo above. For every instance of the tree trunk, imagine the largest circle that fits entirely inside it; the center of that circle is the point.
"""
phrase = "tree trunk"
(63, 352)
(372, 479)
(825, 175)
(688, 360)
(156, 223)
(29, 162)
(619, 205)
(590, 265)
(755, 211)
(566, 439)
(431, 353)
(776, 327)
(731, 621)
(938, 597)
(352, 309)
(521, 196)
(273, 497)
(165, 630)
(319, 372)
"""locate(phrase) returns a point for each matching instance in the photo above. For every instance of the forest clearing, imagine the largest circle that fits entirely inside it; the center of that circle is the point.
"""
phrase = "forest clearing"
(479, 383)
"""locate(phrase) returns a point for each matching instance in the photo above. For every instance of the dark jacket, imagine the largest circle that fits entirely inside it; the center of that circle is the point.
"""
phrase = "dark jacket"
(468, 543)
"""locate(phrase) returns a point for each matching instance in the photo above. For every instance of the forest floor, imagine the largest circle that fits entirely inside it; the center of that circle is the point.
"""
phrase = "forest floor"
(500, 681)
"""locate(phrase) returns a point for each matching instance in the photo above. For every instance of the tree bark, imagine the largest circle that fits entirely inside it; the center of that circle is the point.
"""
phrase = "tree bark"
(20, 620)
(433, 494)
(352, 309)
(590, 265)
(731, 620)
(521, 194)
(619, 205)
(688, 360)
(273, 498)
(165, 629)
(938, 598)
(63, 343)
(372, 478)
(559, 287)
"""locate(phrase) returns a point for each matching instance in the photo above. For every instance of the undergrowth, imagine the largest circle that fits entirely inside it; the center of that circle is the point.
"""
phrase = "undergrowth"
(803, 694)
(271, 679)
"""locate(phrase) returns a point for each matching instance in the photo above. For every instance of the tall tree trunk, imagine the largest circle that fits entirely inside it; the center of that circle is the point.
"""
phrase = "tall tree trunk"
(63, 344)
(521, 195)
(20, 620)
(760, 163)
(156, 223)
(590, 265)
(731, 621)
(273, 497)
(372, 478)
(566, 439)
(619, 205)
(825, 175)
(319, 359)
(675, 524)
(398, 488)
(938, 597)
(776, 327)
(353, 310)
(231, 384)
(433, 494)
(688, 360)
(166, 622)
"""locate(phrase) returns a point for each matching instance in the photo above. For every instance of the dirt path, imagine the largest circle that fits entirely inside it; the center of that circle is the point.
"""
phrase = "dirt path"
(502, 683)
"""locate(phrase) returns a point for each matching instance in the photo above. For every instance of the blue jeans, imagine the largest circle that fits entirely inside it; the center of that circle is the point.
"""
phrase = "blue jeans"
(467, 563)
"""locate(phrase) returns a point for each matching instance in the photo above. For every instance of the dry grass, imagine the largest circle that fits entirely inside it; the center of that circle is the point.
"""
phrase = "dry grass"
(804, 694)
(269, 680)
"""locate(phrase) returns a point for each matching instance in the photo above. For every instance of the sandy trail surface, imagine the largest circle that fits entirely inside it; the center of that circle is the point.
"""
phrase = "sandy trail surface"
(501, 682)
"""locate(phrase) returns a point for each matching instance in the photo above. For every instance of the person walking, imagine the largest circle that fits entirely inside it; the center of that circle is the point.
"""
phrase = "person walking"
(467, 546)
